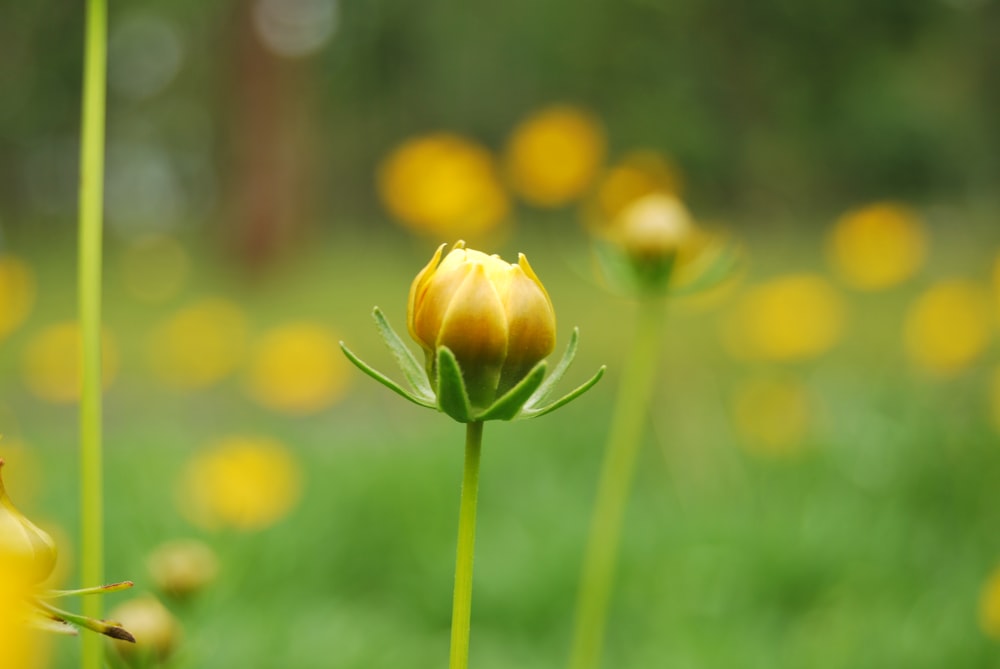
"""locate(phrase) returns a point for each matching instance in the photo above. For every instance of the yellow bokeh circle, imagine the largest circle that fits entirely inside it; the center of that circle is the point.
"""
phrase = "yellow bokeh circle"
(639, 173)
(949, 326)
(989, 606)
(553, 156)
(789, 318)
(242, 482)
(17, 293)
(877, 246)
(199, 345)
(772, 415)
(298, 369)
(443, 185)
(52, 366)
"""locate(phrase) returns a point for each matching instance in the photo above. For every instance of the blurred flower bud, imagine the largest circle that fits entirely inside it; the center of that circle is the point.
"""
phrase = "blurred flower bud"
(653, 247)
(155, 629)
(655, 228)
(22, 542)
(495, 317)
(183, 567)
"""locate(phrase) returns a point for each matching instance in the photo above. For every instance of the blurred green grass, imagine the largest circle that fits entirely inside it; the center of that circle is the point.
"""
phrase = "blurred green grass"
(868, 548)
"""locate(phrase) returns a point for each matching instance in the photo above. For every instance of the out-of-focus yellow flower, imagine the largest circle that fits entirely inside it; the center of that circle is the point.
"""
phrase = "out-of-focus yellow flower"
(297, 368)
(877, 246)
(248, 483)
(949, 326)
(24, 545)
(52, 367)
(794, 317)
(20, 644)
(182, 567)
(495, 317)
(553, 156)
(638, 174)
(154, 268)
(772, 415)
(156, 631)
(17, 293)
(443, 185)
(989, 606)
(199, 345)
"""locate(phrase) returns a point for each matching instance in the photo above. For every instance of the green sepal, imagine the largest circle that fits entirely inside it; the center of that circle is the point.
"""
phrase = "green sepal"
(412, 369)
(545, 389)
(452, 397)
(565, 399)
(634, 277)
(508, 406)
(718, 269)
(383, 379)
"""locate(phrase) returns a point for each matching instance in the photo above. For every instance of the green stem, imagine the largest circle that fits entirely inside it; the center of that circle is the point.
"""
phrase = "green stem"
(624, 440)
(91, 209)
(461, 611)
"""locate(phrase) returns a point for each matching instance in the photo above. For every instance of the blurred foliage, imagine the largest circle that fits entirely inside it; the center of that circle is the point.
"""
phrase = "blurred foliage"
(819, 484)
(766, 104)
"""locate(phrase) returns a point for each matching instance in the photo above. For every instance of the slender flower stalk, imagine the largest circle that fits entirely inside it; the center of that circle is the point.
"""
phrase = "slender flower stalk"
(91, 210)
(461, 610)
(485, 327)
(624, 440)
(653, 250)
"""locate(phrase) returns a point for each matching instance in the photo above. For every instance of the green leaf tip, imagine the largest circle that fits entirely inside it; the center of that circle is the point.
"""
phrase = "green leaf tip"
(383, 379)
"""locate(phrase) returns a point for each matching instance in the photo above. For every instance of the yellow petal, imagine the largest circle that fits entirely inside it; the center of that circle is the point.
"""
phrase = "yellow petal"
(433, 303)
(522, 262)
(417, 288)
(475, 329)
(531, 324)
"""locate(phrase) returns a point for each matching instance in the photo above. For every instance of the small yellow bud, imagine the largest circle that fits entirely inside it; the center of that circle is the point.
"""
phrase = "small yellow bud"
(182, 567)
(654, 228)
(23, 543)
(155, 629)
(495, 317)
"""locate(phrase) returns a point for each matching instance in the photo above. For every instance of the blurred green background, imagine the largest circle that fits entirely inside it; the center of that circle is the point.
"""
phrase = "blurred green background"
(818, 485)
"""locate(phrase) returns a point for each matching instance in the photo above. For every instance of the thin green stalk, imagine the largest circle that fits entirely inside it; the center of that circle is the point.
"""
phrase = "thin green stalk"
(461, 610)
(91, 210)
(624, 440)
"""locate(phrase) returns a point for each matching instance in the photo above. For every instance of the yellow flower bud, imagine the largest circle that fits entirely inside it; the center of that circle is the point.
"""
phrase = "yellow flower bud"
(655, 228)
(22, 543)
(157, 633)
(183, 567)
(495, 317)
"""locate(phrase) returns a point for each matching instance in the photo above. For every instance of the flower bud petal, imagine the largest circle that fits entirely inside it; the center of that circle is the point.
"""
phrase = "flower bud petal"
(24, 543)
(475, 329)
(417, 289)
(433, 303)
(531, 324)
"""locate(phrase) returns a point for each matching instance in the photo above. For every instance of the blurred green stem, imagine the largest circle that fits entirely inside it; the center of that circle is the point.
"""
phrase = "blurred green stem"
(91, 209)
(461, 611)
(624, 439)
